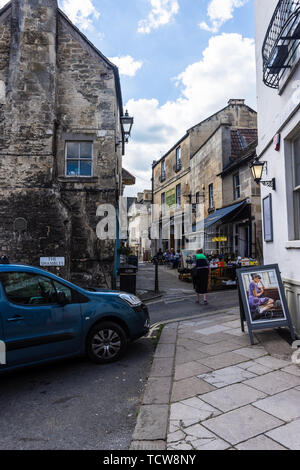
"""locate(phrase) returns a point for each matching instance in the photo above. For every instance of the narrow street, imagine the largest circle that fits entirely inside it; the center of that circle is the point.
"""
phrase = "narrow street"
(178, 297)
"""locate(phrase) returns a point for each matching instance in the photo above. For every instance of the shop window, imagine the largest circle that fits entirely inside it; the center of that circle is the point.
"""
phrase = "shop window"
(79, 159)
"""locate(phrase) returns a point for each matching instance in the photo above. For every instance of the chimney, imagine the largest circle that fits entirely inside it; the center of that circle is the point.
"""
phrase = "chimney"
(234, 102)
(32, 77)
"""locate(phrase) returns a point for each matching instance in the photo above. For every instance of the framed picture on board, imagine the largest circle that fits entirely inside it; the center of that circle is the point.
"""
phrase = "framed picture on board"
(263, 298)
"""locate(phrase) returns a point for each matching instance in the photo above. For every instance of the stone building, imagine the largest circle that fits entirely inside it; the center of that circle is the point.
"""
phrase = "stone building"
(228, 216)
(61, 142)
(278, 79)
(139, 221)
(187, 174)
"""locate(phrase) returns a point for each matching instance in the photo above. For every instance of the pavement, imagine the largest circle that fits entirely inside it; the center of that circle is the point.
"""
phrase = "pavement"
(209, 389)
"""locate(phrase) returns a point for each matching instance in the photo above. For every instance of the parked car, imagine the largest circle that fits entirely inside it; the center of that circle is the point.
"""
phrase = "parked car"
(44, 318)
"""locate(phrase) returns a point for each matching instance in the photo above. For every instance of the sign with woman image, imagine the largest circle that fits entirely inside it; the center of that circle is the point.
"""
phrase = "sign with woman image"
(263, 300)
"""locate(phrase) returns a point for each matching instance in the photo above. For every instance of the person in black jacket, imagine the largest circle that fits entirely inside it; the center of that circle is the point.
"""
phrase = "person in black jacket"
(201, 276)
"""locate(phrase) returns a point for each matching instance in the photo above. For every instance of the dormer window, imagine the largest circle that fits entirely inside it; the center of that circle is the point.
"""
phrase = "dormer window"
(79, 159)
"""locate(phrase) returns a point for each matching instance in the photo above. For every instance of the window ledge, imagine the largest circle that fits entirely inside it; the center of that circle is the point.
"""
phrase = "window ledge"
(78, 179)
(293, 245)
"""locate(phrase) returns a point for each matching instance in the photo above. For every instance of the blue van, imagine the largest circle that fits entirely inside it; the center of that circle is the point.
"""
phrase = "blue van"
(44, 318)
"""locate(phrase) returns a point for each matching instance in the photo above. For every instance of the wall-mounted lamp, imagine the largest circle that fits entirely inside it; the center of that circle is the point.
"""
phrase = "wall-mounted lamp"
(127, 123)
(257, 168)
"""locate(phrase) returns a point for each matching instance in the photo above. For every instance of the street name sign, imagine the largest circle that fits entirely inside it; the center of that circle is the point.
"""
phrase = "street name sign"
(52, 261)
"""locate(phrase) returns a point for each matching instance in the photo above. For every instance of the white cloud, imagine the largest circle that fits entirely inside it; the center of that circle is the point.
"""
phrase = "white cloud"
(220, 11)
(127, 65)
(226, 70)
(162, 12)
(2, 3)
(80, 12)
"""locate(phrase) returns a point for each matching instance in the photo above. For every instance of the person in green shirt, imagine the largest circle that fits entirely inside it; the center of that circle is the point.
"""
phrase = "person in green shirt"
(201, 275)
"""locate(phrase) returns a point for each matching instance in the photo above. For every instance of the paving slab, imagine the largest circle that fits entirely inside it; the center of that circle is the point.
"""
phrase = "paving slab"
(255, 368)
(189, 412)
(164, 350)
(252, 352)
(162, 367)
(261, 442)
(242, 424)
(184, 355)
(284, 405)
(158, 390)
(293, 369)
(218, 348)
(190, 369)
(222, 360)
(202, 439)
(188, 388)
(273, 362)
(274, 382)
(152, 423)
(213, 338)
(228, 376)
(212, 330)
(168, 336)
(288, 435)
(232, 397)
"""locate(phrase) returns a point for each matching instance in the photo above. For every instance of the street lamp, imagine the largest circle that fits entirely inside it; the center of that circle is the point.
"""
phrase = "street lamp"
(257, 168)
(127, 123)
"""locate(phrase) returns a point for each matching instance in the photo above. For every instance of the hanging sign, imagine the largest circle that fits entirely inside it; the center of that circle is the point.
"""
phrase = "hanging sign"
(219, 239)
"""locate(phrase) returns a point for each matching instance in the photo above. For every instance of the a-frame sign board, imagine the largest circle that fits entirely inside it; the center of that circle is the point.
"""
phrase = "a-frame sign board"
(263, 304)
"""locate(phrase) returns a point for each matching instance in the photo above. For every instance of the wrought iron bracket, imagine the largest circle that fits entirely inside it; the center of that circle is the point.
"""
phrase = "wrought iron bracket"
(270, 184)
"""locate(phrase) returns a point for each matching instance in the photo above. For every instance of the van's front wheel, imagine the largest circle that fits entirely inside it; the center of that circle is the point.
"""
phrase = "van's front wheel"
(107, 342)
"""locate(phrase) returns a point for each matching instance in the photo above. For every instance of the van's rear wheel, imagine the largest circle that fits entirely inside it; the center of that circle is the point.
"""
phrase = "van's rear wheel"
(107, 342)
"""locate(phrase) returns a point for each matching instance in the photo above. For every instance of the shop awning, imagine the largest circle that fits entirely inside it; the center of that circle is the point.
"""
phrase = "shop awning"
(221, 214)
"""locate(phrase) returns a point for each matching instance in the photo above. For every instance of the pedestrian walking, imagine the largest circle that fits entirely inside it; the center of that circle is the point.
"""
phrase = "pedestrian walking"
(201, 275)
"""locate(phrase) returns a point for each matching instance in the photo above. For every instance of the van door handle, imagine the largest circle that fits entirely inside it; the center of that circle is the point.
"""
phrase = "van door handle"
(16, 318)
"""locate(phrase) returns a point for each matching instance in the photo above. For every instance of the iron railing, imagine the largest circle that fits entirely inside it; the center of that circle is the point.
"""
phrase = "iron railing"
(281, 42)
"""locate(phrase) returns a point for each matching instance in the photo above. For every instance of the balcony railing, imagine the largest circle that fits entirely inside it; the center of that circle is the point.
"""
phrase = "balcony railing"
(281, 42)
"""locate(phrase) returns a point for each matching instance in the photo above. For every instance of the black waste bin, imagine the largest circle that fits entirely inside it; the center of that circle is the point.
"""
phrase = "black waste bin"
(128, 279)
(133, 261)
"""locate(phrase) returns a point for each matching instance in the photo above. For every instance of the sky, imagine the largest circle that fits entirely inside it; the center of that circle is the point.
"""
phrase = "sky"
(180, 61)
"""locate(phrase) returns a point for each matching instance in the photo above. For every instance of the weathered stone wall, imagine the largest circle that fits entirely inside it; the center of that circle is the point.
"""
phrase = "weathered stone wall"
(205, 166)
(57, 88)
(236, 114)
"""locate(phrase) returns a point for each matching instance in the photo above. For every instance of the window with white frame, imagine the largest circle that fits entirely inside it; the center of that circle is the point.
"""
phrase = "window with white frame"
(79, 159)
(296, 188)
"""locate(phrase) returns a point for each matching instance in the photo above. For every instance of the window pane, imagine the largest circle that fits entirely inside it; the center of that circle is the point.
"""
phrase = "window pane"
(28, 289)
(72, 150)
(61, 288)
(297, 161)
(86, 150)
(73, 168)
(86, 168)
